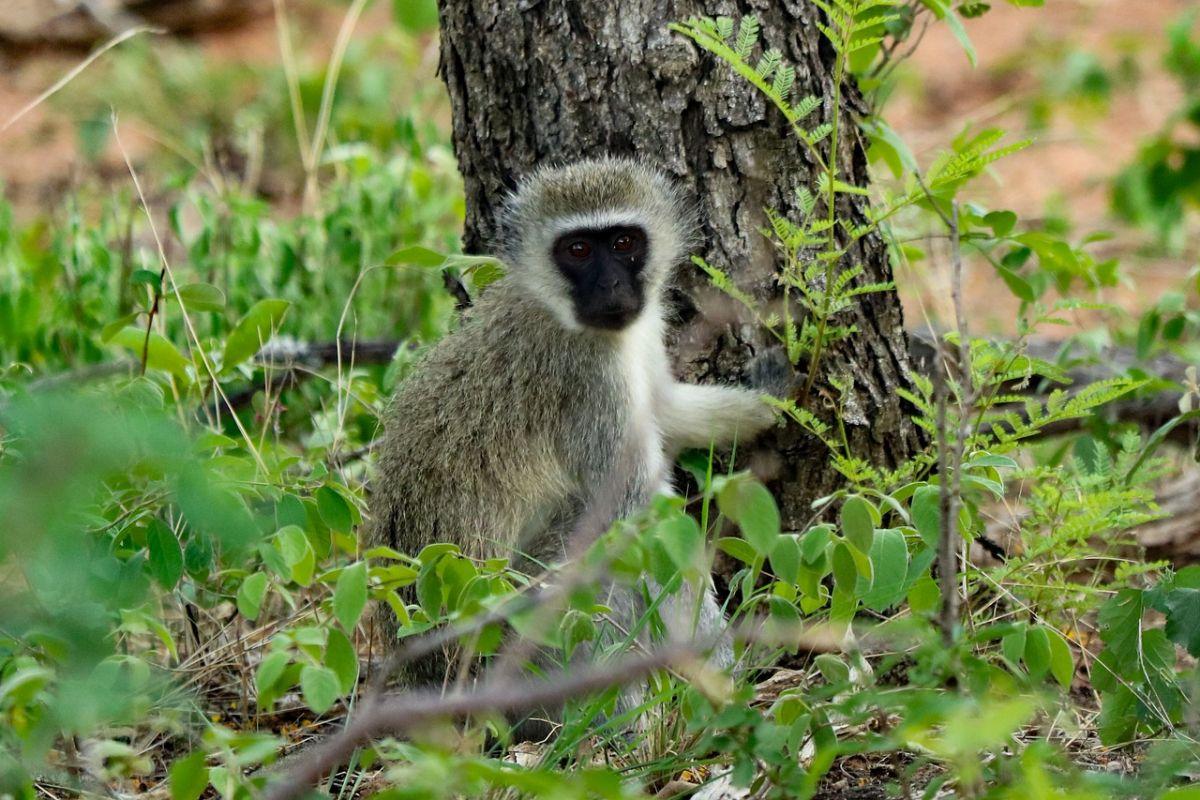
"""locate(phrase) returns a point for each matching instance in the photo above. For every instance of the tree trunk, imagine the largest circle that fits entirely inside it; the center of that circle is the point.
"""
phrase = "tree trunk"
(552, 80)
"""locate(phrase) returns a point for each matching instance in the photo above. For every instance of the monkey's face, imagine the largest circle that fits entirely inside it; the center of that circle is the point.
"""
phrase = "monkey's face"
(603, 267)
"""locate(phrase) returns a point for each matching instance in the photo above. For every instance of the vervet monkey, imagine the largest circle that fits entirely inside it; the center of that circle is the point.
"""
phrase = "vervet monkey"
(557, 382)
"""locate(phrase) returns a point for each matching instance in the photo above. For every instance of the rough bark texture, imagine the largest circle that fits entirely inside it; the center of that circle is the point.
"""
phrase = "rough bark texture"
(553, 80)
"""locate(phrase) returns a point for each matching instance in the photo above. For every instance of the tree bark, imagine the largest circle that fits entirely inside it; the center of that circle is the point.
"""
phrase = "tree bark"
(532, 81)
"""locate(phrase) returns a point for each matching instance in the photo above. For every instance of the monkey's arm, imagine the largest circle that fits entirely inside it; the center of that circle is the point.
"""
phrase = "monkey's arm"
(697, 416)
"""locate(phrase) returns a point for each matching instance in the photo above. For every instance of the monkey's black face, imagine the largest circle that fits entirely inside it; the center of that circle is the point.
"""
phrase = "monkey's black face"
(604, 269)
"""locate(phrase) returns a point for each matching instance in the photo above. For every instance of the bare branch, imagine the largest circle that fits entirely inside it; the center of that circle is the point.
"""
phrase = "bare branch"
(402, 713)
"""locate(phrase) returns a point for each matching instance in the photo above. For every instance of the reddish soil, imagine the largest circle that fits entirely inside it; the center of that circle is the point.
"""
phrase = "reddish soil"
(1071, 162)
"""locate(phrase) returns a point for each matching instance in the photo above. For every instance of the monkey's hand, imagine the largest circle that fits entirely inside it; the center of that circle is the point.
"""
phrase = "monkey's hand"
(770, 372)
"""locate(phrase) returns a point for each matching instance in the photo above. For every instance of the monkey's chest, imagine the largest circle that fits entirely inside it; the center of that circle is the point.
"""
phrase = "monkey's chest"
(644, 382)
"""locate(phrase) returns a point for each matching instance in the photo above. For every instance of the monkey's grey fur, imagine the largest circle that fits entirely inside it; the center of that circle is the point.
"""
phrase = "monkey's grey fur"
(513, 423)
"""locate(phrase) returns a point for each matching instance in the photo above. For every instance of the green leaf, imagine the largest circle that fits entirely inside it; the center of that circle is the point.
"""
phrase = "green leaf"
(785, 559)
(858, 522)
(1037, 652)
(417, 256)
(1013, 644)
(1118, 716)
(1120, 621)
(188, 777)
(1016, 284)
(334, 510)
(889, 562)
(201, 297)
(924, 597)
(270, 670)
(748, 503)
(251, 594)
(116, 326)
(252, 331)
(681, 540)
(845, 570)
(833, 669)
(927, 514)
(161, 354)
(738, 548)
(319, 686)
(1062, 661)
(145, 276)
(429, 589)
(815, 540)
(350, 595)
(1001, 222)
(165, 555)
(1147, 332)
(1183, 618)
(342, 660)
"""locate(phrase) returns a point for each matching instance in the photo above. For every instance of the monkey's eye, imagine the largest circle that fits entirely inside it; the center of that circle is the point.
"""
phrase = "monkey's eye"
(579, 249)
(624, 243)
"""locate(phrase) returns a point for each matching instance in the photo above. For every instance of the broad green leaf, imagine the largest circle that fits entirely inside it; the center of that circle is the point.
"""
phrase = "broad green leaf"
(785, 558)
(681, 540)
(202, 297)
(738, 548)
(1062, 661)
(252, 331)
(833, 668)
(165, 560)
(188, 777)
(417, 256)
(889, 562)
(816, 539)
(1013, 645)
(334, 510)
(251, 594)
(1183, 618)
(1118, 716)
(924, 596)
(1001, 222)
(429, 589)
(270, 670)
(1037, 652)
(161, 354)
(292, 544)
(845, 570)
(117, 325)
(858, 522)
(748, 503)
(319, 686)
(342, 660)
(350, 595)
(1016, 284)
(927, 515)
(1120, 621)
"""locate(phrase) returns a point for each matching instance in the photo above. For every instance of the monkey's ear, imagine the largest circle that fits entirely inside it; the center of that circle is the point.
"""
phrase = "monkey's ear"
(771, 372)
